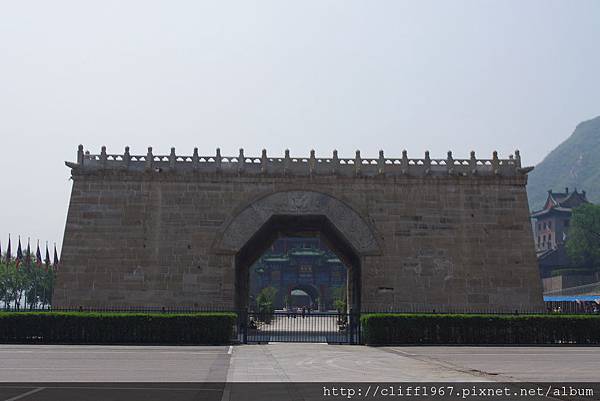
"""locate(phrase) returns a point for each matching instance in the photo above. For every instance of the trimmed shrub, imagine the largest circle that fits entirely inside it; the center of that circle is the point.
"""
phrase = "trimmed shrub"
(387, 328)
(116, 328)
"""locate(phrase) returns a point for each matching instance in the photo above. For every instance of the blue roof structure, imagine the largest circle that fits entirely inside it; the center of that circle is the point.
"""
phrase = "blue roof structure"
(572, 298)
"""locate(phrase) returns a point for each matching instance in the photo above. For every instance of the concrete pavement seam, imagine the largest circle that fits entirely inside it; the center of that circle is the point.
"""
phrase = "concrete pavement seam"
(451, 366)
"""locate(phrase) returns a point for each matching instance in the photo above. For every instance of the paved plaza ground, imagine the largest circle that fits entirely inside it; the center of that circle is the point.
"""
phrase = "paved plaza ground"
(295, 362)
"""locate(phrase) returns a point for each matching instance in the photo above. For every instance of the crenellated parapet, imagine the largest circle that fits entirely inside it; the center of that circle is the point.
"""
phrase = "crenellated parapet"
(300, 166)
(168, 230)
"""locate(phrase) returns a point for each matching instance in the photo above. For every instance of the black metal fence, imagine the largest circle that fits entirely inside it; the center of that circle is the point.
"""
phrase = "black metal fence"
(311, 326)
(550, 307)
(307, 327)
(580, 307)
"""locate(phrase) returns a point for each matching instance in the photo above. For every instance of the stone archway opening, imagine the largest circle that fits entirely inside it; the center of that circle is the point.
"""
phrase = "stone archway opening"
(300, 299)
(313, 227)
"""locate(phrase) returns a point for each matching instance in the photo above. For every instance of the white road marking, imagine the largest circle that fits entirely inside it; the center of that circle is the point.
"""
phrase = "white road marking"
(230, 350)
(18, 397)
(226, 394)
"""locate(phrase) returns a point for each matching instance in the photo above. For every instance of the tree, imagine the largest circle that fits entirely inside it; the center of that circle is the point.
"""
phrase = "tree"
(265, 301)
(266, 298)
(16, 283)
(31, 285)
(4, 283)
(46, 287)
(286, 301)
(340, 301)
(38, 286)
(583, 238)
(27, 285)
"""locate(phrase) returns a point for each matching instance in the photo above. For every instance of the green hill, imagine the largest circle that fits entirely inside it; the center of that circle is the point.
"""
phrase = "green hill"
(575, 163)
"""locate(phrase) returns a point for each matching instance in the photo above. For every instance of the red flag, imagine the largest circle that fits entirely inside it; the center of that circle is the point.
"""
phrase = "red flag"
(56, 262)
(38, 255)
(28, 254)
(8, 254)
(47, 260)
(19, 253)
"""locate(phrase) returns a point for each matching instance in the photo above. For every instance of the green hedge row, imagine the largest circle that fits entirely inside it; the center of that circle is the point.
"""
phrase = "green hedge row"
(382, 328)
(116, 328)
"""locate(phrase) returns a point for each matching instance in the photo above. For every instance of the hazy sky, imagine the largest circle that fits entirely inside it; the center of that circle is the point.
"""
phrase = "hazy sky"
(346, 75)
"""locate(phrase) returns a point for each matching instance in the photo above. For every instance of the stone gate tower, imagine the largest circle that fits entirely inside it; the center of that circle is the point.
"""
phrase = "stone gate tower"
(415, 234)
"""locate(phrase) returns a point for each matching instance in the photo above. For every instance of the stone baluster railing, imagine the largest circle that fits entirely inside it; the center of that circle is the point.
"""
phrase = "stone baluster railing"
(298, 166)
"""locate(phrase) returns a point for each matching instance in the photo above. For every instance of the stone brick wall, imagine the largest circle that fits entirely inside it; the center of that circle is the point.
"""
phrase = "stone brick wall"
(152, 238)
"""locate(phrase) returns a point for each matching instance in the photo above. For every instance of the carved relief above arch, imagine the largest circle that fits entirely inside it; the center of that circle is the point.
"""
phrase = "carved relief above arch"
(348, 222)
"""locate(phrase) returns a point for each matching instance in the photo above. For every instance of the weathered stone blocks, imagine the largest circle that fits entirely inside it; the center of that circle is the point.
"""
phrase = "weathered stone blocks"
(170, 238)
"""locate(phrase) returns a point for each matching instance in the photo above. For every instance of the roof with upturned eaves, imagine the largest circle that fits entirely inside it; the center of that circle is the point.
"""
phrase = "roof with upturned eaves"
(561, 202)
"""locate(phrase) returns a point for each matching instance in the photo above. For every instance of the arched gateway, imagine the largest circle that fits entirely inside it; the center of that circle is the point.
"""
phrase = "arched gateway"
(415, 234)
(251, 231)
